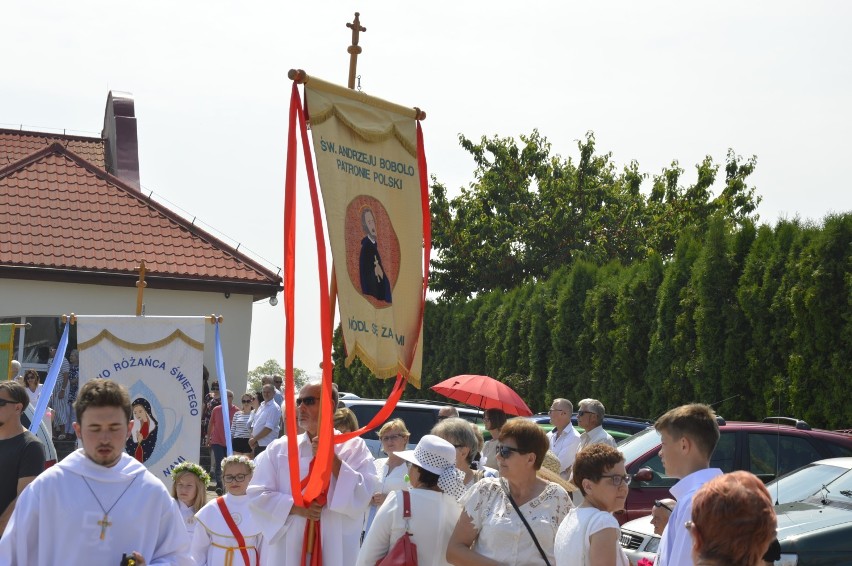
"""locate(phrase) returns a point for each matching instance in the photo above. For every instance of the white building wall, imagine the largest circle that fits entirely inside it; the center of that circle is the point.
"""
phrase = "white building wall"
(42, 298)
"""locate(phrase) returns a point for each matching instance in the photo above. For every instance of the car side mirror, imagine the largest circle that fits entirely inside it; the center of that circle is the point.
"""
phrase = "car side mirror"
(644, 474)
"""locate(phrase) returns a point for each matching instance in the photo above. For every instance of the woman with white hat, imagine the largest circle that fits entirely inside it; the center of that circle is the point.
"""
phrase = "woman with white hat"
(436, 487)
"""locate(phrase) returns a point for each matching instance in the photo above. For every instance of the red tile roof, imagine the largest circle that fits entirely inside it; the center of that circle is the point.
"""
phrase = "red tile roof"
(17, 144)
(60, 212)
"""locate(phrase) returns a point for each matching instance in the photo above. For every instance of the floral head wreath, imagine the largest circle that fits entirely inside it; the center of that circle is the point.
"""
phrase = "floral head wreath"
(192, 468)
(238, 460)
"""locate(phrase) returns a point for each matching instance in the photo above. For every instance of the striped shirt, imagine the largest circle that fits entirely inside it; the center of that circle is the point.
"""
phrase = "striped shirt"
(239, 427)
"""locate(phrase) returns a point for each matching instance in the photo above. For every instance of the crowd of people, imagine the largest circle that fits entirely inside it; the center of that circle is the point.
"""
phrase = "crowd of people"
(524, 497)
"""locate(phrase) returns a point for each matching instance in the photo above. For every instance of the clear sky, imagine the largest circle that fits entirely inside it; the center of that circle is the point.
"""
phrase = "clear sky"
(656, 81)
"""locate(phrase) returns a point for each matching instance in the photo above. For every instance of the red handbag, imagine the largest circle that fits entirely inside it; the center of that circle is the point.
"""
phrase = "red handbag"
(404, 552)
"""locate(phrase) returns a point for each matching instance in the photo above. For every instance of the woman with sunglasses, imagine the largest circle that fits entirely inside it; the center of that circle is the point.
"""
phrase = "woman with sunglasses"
(240, 431)
(32, 385)
(391, 470)
(589, 535)
(511, 520)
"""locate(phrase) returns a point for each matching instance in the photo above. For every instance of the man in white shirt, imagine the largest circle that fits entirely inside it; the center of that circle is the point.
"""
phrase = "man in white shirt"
(564, 438)
(353, 481)
(689, 435)
(98, 503)
(265, 422)
(590, 417)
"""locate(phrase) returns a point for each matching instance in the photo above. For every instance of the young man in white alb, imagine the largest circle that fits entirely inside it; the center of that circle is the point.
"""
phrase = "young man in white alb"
(98, 503)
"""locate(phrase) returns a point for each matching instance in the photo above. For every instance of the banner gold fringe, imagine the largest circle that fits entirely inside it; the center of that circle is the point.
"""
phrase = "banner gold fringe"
(381, 373)
(107, 335)
(368, 135)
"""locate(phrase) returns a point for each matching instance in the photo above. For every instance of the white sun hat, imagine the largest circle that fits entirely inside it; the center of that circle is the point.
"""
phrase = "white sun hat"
(436, 455)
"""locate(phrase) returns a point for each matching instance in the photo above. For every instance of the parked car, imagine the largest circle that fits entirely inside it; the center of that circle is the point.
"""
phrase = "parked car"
(43, 434)
(814, 518)
(768, 449)
(620, 427)
(639, 540)
(419, 417)
(807, 480)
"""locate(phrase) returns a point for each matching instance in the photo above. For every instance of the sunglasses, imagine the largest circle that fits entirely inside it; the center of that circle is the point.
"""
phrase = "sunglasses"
(658, 503)
(247, 400)
(232, 478)
(506, 451)
(618, 479)
(4, 402)
(309, 401)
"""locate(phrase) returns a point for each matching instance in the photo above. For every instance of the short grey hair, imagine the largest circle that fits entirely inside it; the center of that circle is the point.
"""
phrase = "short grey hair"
(594, 406)
(457, 431)
(452, 411)
(565, 403)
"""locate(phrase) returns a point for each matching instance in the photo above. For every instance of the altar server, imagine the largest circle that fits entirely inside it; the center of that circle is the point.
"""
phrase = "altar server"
(99, 503)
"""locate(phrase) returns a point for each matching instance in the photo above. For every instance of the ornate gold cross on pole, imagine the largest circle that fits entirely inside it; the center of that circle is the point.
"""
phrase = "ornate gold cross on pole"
(140, 289)
(354, 49)
(103, 524)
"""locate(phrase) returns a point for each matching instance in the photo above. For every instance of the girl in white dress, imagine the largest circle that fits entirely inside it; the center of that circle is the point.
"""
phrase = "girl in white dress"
(590, 534)
(189, 487)
(228, 532)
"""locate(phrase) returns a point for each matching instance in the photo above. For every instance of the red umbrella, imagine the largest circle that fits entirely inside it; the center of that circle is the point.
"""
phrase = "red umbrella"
(483, 391)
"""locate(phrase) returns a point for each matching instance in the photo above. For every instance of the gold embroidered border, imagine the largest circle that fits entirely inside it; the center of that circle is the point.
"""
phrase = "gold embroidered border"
(107, 335)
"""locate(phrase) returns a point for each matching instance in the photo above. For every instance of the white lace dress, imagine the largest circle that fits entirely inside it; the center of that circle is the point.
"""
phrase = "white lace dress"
(502, 535)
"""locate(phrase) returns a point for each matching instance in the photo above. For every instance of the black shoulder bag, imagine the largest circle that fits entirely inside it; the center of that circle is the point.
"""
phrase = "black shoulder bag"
(527, 525)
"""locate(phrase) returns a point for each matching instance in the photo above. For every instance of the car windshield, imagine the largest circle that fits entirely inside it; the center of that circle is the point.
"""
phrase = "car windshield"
(639, 444)
(804, 482)
(841, 489)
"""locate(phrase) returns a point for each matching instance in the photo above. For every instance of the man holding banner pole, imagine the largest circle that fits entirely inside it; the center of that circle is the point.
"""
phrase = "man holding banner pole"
(340, 517)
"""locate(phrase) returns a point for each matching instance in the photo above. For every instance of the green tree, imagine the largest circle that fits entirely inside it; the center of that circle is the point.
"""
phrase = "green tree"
(529, 213)
(272, 367)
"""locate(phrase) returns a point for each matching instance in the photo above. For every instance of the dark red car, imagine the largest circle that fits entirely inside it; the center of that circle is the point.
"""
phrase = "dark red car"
(769, 449)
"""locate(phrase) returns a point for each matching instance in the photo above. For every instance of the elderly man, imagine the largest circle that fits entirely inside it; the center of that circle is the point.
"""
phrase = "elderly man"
(353, 481)
(564, 438)
(590, 417)
(265, 422)
(15, 372)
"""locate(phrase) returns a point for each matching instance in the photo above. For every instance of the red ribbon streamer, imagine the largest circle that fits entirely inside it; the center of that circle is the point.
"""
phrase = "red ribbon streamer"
(314, 487)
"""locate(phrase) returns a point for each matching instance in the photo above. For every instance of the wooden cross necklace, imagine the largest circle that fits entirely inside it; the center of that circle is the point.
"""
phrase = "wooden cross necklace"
(104, 523)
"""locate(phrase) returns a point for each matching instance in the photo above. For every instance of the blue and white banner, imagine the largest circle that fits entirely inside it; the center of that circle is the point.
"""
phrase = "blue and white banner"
(159, 360)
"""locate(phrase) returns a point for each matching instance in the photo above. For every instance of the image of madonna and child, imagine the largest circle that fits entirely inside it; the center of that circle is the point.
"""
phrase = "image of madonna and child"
(226, 530)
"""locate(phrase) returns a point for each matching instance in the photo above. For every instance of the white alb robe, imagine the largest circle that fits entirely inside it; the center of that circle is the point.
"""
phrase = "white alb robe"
(213, 543)
(341, 519)
(56, 517)
(187, 513)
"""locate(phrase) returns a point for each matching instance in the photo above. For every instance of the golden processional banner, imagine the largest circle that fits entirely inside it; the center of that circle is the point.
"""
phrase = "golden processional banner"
(366, 158)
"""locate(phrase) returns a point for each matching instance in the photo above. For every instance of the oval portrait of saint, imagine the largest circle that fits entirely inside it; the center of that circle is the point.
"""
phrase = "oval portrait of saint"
(372, 250)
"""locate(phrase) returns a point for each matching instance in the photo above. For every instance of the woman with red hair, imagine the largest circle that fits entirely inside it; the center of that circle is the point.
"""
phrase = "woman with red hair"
(733, 521)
